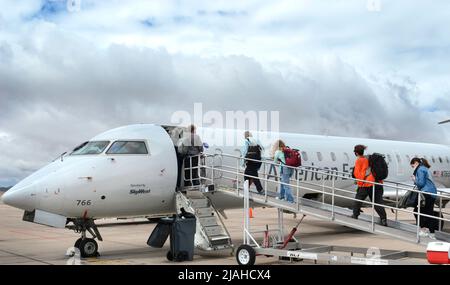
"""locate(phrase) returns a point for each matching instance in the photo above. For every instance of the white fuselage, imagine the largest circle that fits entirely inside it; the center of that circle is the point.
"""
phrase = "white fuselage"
(127, 185)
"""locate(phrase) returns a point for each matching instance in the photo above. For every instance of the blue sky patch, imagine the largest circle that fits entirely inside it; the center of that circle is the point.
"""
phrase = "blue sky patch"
(150, 22)
(54, 7)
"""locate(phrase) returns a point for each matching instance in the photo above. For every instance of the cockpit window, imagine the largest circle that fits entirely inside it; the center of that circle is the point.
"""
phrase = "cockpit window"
(94, 147)
(128, 147)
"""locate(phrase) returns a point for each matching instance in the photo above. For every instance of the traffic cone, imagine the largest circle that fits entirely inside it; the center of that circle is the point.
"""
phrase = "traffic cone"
(250, 213)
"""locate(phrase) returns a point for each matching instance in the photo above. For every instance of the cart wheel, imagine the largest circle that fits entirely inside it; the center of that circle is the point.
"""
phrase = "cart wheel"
(245, 255)
(169, 256)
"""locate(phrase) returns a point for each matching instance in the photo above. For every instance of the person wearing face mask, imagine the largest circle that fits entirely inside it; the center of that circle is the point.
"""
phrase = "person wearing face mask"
(424, 182)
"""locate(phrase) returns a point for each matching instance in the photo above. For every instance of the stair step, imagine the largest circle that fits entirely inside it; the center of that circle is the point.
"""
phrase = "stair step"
(195, 195)
(220, 240)
(221, 243)
(219, 237)
(213, 230)
(204, 212)
(208, 221)
(199, 203)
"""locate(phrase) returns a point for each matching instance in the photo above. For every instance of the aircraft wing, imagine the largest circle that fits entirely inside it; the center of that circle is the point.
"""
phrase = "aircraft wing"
(444, 191)
(390, 194)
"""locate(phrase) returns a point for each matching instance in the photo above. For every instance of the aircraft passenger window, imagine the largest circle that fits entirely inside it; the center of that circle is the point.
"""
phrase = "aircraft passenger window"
(389, 158)
(440, 160)
(304, 156)
(128, 147)
(94, 147)
(446, 158)
(333, 156)
(319, 156)
(346, 156)
(399, 159)
(433, 159)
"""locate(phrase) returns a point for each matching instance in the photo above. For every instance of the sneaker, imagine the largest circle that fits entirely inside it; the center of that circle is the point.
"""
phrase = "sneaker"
(384, 222)
(423, 233)
(355, 217)
(431, 236)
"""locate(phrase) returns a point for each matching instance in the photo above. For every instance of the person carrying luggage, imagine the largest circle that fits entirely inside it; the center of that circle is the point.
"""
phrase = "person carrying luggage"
(284, 170)
(362, 171)
(424, 182)
(251, 150)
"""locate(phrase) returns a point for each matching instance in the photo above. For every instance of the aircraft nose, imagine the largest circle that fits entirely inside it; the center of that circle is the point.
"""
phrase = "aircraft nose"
(5, 198)
(19, 198)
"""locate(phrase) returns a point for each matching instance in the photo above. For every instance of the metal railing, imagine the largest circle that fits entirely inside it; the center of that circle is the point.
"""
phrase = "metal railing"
(231, 174)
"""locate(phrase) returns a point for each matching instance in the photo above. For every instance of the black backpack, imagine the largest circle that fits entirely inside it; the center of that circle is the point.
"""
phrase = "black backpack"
(254, 152)
(378, 166)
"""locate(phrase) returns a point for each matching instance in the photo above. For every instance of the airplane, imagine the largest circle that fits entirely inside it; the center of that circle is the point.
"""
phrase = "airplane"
(131, 171)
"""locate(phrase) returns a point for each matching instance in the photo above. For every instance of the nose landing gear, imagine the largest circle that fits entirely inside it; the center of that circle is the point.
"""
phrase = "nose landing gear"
(88, 246)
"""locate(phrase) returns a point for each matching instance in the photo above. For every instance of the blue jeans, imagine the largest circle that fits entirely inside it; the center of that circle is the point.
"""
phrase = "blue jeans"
(285, 190)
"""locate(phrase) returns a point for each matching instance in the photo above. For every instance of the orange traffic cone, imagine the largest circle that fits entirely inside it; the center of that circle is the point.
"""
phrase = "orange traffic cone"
(250, 213)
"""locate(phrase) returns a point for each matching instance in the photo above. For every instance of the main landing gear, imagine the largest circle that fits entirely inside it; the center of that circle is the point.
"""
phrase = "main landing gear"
(88, 246)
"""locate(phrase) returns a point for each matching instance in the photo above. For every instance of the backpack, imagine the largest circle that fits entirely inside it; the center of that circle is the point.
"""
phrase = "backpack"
(254, 152)
(378, 166)
(192, 149)
(292, 157)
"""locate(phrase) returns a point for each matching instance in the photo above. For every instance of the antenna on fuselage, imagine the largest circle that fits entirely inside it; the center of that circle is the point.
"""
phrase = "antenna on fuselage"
(444, 122)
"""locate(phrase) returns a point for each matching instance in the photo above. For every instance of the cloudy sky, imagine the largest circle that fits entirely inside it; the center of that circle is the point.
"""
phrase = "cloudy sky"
(377, 69)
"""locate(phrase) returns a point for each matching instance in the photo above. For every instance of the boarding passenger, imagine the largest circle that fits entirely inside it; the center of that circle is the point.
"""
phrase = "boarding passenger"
(251, 150)
(424, 182)
(190, 146)
(362, 171)
(284, 170)
(176, 135)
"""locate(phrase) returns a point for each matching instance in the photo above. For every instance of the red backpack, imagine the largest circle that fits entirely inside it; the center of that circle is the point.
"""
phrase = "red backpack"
(292, 157)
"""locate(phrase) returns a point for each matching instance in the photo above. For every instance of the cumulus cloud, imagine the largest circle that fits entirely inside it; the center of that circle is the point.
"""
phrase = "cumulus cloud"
(64, 77)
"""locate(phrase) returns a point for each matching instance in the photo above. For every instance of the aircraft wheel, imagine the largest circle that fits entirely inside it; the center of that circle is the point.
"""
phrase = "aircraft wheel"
(88, 248)
(245, 255)
(77, 243)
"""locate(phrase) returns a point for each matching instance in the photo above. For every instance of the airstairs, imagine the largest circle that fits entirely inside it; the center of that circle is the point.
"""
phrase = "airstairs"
(342, 216)
(227, 177)
(320, 198)
(211, 234)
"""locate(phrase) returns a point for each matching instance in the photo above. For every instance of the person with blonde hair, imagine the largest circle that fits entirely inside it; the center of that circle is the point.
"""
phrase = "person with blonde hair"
(285, 171)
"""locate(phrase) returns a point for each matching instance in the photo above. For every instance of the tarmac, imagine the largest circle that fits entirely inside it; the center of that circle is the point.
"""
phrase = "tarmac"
(24, 243)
